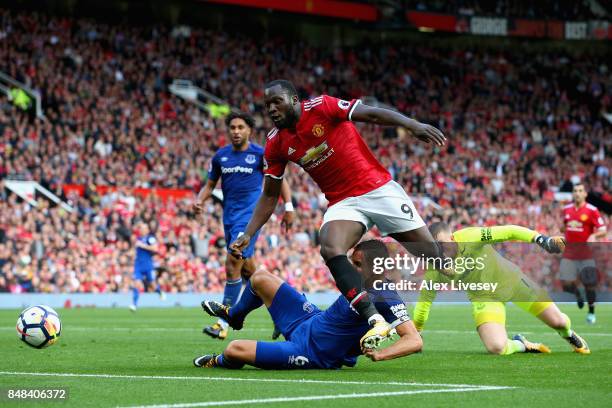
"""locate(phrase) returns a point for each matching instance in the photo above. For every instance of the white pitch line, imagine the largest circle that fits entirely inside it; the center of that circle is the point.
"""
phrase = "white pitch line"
(315, 398)
(270, 380)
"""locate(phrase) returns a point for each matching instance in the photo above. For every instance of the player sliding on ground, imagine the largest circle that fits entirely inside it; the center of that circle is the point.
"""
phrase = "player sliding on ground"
(315, 338)
(489, 307)
(319, 135)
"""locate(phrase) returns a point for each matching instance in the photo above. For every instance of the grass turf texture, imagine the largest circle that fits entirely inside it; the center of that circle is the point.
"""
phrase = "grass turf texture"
(162, 342)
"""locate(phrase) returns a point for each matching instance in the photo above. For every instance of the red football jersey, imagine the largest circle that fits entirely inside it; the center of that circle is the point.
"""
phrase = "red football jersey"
(327, 145)
(580, 223)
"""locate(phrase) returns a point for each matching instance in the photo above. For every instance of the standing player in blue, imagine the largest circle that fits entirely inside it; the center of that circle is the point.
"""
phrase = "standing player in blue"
(315, 339)
(144, 276)
(240, 168)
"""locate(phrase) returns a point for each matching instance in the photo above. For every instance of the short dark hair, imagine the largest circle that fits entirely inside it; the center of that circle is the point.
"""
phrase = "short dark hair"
(284, 84)
(372, 248)
(438, 227)
(248, 119)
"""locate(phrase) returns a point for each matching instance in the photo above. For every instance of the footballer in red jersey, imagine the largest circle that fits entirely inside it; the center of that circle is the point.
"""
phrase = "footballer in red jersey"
(319, 136)
(582, 223)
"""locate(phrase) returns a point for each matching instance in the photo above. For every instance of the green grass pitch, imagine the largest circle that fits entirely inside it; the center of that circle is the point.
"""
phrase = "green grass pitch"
(144, 359)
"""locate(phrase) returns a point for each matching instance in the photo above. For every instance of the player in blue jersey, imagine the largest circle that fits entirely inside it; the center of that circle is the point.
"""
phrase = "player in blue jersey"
(240, 168)
(144, 267)
(315, 338)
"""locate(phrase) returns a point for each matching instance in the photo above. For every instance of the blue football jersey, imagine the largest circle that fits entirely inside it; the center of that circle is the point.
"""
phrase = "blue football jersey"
(241, 174)
(335, 334)
(144, 258)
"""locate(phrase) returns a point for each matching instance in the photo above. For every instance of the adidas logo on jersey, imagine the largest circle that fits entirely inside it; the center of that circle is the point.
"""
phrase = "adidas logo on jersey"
(290, 151)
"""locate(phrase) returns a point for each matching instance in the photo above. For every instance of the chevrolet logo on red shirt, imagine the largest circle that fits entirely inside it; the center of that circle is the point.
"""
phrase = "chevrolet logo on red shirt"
(313, 153)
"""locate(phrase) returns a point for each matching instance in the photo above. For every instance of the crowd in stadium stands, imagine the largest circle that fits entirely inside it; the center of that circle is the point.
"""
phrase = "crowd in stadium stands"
(519, 125)
(570, 10)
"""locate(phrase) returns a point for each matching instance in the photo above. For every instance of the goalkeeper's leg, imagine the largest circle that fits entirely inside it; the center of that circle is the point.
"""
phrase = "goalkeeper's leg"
(495, 339)
(559, 321)
(490, 319)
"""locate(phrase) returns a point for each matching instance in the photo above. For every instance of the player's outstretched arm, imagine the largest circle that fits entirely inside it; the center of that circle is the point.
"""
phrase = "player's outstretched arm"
(503, 233)
(387, 117)
(410, 342)
(263, 210)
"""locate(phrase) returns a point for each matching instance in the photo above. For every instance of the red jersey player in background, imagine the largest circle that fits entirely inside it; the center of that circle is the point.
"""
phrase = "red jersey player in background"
(319, 135)
(582, 223)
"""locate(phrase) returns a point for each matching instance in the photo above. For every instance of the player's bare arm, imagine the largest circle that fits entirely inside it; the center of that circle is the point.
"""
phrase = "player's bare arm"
(387, 117)
(289, 214)
(263, 210)
(204, 194)
(410, 342)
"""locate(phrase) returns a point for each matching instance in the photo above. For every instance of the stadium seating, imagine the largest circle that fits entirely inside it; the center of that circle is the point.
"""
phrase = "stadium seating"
(513, 117)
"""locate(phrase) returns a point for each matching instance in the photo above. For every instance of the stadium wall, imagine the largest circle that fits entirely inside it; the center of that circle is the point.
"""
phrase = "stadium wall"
(124, 300)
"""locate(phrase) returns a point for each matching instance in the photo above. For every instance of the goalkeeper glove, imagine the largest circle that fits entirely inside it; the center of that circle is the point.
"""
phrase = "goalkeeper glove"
(552, 245)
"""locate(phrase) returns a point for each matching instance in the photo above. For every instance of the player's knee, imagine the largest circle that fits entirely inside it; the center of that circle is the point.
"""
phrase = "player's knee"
(259, 279)
(559, 321)
(328, 251)
(418, 343)
(496, 346)
(248, 268)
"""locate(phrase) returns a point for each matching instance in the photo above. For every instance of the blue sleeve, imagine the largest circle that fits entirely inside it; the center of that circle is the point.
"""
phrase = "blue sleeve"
(214, 170)
(391, 306)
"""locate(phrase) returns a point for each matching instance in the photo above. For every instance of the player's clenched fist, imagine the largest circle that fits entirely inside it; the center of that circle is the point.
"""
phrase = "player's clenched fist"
(240, 245)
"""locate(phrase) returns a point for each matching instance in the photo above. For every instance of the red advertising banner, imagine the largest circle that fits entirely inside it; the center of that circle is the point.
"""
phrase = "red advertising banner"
(440, 22)
(328, 8)
(526, 28)
(555, 29)
(163, 193)
(535, 28)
